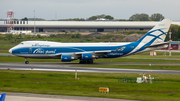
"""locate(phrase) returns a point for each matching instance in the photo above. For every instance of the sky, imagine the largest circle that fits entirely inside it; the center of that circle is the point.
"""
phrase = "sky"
(65, 9)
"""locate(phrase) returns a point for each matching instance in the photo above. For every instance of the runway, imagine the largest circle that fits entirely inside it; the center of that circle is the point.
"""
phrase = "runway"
(11, 96)
(7, 54)
(67, 68)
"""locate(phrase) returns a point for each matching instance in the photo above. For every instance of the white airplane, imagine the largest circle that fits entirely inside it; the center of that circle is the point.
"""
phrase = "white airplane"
(87, 52)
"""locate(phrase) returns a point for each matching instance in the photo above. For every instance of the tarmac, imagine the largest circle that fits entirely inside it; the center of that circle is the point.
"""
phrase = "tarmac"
(42, 97)
(63, 67)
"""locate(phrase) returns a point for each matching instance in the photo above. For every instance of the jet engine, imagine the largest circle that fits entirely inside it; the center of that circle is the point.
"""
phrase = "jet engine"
(67, 58)
(87, 56)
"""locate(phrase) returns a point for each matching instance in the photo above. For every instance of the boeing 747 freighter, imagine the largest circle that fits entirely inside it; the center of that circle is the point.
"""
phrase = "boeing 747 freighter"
(87, 52)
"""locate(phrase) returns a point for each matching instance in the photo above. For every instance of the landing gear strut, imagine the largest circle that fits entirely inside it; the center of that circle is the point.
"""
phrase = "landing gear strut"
(86, 62)
(26, 61)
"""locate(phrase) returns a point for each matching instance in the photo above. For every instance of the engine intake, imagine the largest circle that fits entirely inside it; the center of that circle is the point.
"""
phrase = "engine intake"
(87, 56)
(66, 58)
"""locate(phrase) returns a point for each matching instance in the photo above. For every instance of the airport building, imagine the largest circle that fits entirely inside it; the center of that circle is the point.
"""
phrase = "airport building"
(79, 26)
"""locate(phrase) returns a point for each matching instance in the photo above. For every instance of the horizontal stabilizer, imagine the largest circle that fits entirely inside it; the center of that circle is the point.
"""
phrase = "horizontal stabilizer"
(158, 45)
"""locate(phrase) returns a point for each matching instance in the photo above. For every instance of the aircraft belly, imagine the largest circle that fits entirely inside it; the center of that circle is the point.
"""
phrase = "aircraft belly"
(41, 56)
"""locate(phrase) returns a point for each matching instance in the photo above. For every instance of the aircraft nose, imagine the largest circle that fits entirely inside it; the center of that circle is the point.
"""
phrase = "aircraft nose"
(10, 51)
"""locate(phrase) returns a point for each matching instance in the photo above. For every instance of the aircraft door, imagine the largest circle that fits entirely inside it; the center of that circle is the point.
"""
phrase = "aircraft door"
(30, 50)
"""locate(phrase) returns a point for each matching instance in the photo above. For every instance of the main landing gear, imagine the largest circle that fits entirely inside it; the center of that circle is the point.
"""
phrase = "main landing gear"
(26, 61)
(86, 62)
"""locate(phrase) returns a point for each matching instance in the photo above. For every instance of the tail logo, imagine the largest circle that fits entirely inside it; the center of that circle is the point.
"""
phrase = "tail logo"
(161, 24)
(163, 33)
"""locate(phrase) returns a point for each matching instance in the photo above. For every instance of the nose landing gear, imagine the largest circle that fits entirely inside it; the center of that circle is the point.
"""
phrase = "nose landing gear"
(26, 61)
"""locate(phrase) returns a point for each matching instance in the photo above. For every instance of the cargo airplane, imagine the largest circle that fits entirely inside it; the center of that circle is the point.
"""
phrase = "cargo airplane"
(87, 52)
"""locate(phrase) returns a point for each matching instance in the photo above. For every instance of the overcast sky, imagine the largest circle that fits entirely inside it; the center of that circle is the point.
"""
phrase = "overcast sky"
(65, 9)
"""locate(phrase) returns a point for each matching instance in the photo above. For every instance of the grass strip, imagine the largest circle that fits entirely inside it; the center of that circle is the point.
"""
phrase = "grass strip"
(148, 67)
(103, 60)
(160, 54)
(63, 83)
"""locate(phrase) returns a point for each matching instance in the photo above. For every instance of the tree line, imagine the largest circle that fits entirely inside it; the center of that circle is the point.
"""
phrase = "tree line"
(146, 17)
(135, 17)
(175, 36)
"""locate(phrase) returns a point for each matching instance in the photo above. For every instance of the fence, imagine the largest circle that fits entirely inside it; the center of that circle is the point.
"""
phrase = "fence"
(133, 80)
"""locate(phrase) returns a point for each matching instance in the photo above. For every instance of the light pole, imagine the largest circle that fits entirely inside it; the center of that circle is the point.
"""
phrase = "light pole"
(34, 24)
(178, 44)
(170, 42)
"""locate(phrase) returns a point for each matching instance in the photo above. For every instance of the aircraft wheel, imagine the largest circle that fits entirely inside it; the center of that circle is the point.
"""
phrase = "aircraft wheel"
(26, 62)
(80, 62)
(84, 61)
(90, 62)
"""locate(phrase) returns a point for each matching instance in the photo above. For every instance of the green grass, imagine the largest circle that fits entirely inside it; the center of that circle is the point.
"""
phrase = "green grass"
(63, 83)
(7, 41)
(15, 59)
(152, 67)
(130, 32)
(131, 60)
(160, 54)
(103, 60)
(5, 48)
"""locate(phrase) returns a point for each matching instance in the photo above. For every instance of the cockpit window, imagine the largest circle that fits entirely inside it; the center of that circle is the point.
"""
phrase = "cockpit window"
(21, 43)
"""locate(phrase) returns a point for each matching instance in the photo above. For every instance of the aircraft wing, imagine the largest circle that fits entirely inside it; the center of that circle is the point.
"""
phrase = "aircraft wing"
(93, 52)
(158, 45)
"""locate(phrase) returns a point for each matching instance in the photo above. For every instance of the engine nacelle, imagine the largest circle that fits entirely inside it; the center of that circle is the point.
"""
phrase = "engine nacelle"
(66, 58)
(87, 56)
